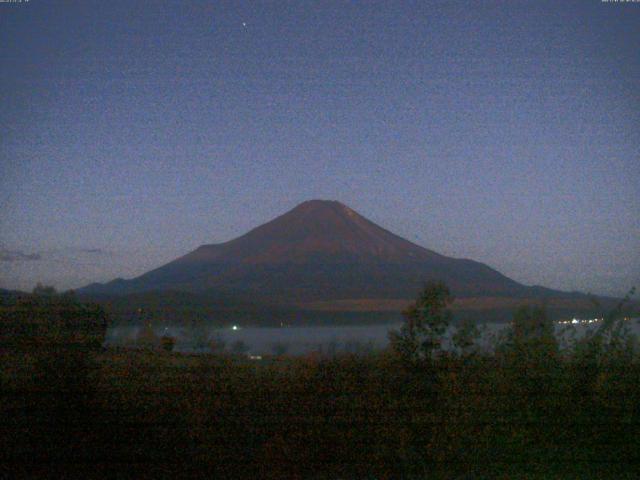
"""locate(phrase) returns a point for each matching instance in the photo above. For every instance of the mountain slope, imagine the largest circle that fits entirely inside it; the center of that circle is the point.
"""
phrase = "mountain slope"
(319, 251)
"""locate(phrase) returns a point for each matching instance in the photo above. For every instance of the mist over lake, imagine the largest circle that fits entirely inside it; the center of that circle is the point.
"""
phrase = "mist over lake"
(321, 340)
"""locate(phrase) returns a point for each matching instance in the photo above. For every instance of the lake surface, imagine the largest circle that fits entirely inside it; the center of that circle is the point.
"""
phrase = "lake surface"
(304, 340)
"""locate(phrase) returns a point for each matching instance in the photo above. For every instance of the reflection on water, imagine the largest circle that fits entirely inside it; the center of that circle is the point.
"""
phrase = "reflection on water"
(303, 340)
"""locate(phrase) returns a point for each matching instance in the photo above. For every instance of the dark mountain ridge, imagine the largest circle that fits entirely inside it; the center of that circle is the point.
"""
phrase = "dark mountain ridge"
(320, 251)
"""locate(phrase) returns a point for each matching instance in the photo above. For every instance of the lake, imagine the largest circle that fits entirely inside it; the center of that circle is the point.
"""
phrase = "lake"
(304, 340)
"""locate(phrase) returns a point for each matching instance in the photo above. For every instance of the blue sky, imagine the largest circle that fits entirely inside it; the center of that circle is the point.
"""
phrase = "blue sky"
(506, 132)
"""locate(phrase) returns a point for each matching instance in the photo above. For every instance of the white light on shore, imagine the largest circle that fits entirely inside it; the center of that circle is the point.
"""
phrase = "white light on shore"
(235, 327)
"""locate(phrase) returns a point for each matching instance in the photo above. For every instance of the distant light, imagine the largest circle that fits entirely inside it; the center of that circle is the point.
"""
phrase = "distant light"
(575, 320)
(255, 357)
(235, 327)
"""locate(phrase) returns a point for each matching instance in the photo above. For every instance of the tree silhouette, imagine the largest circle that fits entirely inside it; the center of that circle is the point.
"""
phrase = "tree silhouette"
(465, 336)
(426, 322)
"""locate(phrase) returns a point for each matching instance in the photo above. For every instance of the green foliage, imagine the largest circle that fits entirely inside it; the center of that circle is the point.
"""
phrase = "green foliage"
(48, 343)
(533, 330)
(46, 319)
(426, 322)
(530, 410)
(465, 337)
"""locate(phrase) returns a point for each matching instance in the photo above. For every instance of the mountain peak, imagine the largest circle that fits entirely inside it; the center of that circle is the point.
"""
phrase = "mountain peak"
(320, 202)
(320, 205)
(313, 229)
(320, 249)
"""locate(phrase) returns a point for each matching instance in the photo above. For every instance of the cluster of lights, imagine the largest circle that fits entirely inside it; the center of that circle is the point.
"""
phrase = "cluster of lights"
(577, 321)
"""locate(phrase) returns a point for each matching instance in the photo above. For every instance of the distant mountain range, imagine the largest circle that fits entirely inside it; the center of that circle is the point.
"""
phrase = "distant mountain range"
(324, 256)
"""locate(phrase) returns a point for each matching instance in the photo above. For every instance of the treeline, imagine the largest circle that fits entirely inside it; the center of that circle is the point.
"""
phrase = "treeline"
(528, 410)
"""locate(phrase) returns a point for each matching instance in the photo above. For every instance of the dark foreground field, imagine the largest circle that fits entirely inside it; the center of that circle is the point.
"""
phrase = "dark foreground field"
(527, 411)
(346, 417)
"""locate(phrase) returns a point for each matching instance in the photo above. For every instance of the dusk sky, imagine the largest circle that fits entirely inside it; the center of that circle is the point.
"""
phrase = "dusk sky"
(506, 132)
